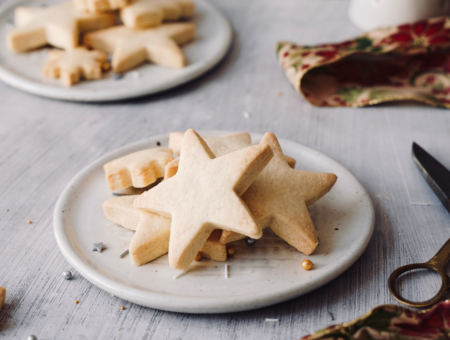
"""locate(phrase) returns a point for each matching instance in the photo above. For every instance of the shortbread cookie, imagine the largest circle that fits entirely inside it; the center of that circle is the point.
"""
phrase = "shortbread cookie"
(204, 195)
(138, 169)
(172, 166)
(147, 13)
(153, 232)
(131, 47)
(213, 249)
(219, 145)
(70, 66)
(3, 296)
(290, 161)
(279, 198)
(120, 210)
(99, 6)
(151, 239)
(58, 25)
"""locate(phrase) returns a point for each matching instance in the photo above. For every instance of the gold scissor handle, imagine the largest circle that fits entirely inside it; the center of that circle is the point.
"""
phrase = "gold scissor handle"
(438, 263)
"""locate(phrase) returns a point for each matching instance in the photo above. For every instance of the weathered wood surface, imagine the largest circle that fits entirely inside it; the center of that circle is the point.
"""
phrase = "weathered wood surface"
(44, 143)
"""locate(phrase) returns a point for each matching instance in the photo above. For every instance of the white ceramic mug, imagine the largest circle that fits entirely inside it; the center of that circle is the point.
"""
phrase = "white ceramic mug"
(371, 14)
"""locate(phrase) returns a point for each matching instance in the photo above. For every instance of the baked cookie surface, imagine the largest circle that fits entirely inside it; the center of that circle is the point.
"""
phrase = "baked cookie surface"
(279, 198)
(73, 65)
(138, 169)
(99, 6)
(147, 13)
(58, 25)
(152, 236)
(131, 47)
(220, 145)
(204, 195)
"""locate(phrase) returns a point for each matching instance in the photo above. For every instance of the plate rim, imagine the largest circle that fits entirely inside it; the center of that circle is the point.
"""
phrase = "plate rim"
(195, 305)
(77, 95)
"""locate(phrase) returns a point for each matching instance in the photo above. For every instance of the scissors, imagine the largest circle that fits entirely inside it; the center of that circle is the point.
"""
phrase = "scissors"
(438, 178)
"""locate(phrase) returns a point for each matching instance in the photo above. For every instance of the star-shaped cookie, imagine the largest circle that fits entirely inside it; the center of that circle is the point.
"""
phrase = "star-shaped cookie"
(58, 25)
(219, 145)
(205, 195)
(151, 239)
(131, 47)
(147, 13)
(279, 198)
(120, 210)
(70, 66)
(99, 6)
(138, 169)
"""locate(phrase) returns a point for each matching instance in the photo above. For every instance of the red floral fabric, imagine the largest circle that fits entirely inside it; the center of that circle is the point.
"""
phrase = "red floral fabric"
(406, 62)
(391, 322)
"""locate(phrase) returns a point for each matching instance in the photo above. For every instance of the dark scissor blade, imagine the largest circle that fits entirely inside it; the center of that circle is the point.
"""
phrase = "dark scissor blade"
(436, 175)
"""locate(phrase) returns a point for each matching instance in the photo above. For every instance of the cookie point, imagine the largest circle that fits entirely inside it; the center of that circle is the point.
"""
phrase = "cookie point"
(330, 179)
(175, 263)
(266, 147)
(256, 235)
(190, 134)
(270, 135)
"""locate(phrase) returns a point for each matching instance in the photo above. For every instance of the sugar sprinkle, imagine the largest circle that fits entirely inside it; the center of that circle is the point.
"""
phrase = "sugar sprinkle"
(181, 274)
(417, 203)
(246, 115)
(226, 271)
(272, 320)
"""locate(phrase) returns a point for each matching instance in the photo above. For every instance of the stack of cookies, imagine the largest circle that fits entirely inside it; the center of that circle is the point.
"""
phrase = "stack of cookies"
(219, 190)
(147, 32)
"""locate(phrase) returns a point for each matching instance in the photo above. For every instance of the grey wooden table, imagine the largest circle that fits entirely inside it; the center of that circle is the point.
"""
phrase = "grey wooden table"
(44, 143)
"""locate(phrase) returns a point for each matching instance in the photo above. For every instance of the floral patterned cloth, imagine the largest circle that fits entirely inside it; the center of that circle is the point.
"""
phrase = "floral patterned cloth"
(407, 62)
(392, 322)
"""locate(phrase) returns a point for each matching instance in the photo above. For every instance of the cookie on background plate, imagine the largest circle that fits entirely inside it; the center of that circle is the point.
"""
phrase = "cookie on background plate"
(131, 47)
(59, 25)
(73, 65)
(99, 6)
(147, 13)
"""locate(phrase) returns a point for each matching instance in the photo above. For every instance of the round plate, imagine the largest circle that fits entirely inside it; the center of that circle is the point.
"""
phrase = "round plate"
(267, 273)
(24, 71)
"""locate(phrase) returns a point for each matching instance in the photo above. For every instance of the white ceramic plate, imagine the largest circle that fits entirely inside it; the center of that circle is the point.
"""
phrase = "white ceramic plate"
(24, 71)
(267, 273)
